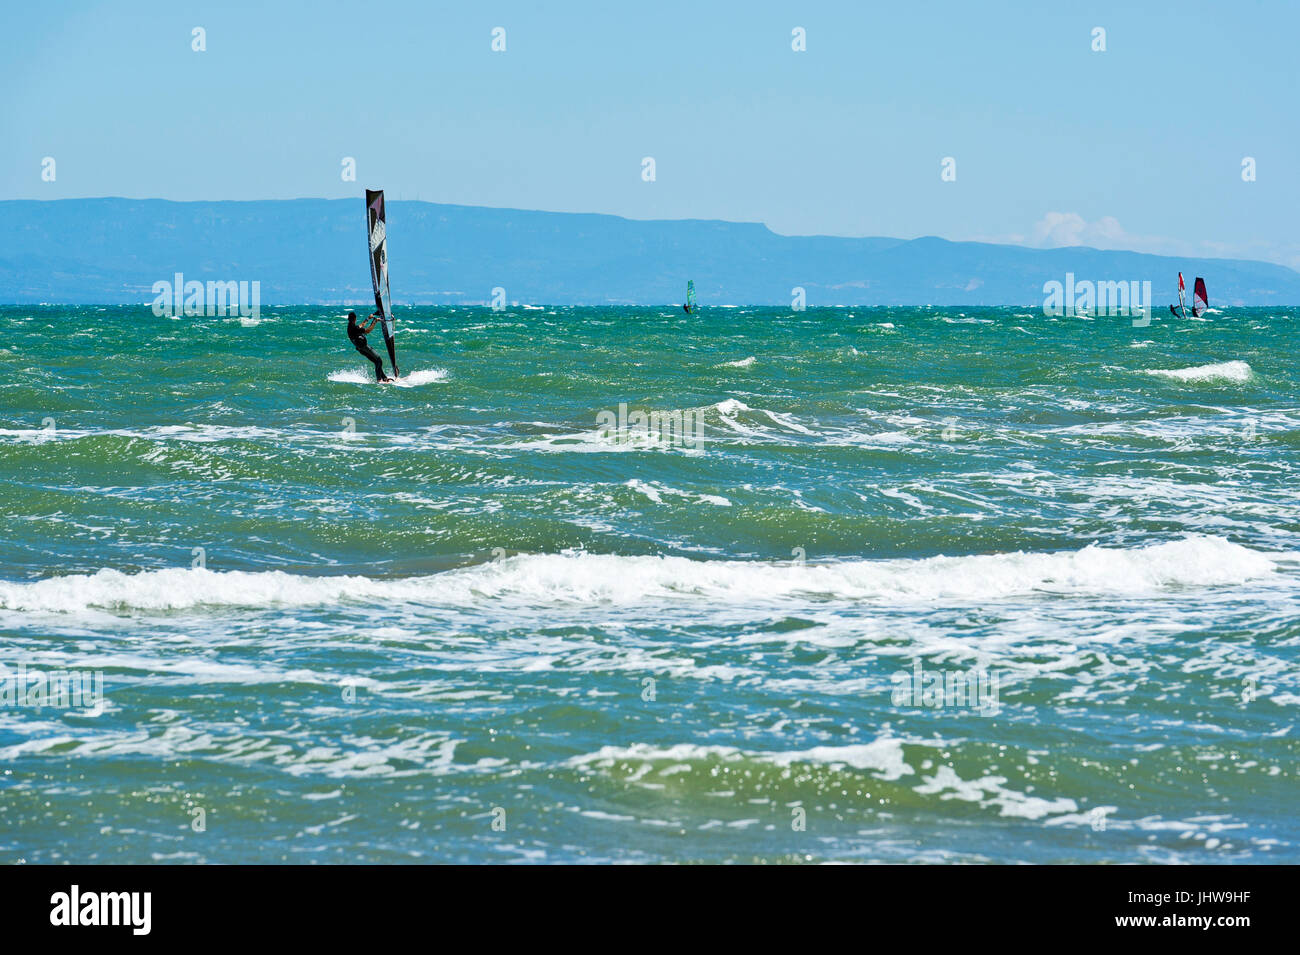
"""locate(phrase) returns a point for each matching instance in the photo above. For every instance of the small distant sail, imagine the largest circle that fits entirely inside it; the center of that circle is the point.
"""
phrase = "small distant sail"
(1200, 301)
(378, 232)
(690, 295)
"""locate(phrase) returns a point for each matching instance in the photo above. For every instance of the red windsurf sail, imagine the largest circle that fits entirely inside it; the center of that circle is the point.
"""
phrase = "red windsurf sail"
(1200, 301)
(1181, 310)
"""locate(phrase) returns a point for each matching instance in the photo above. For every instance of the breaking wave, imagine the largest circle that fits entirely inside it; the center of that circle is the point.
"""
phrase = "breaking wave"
(578, 577)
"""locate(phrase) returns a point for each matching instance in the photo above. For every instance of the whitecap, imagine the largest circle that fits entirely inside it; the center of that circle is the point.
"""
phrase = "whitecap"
(424, 376)
(1224, 371)
(579, 577)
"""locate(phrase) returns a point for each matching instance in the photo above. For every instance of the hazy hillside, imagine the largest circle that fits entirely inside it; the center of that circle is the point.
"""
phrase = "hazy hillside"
(314, 250)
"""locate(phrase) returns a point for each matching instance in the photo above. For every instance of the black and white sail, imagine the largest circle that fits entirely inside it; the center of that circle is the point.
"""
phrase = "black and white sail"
(378, 233)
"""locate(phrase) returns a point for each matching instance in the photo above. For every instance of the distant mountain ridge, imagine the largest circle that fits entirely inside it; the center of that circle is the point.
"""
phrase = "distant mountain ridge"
(111, 251)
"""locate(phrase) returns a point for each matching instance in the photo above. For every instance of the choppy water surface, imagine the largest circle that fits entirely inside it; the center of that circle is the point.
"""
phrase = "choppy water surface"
(460, 619)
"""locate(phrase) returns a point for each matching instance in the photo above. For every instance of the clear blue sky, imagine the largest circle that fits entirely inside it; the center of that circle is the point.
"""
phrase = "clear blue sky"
(1137, 147)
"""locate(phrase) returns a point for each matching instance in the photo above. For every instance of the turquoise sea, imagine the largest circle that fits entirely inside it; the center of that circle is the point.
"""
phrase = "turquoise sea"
(912, 585)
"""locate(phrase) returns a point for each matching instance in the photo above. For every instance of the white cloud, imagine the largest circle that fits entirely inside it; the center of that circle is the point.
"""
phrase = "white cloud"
(1069, 228)
(1060, 229)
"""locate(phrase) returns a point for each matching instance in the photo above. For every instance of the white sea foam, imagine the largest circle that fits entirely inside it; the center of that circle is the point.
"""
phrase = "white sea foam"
(202, 433)
(1222, 371)
(532, 580)
(884, 756)
(424, 376)
(600, 440)
(785, 421)
(740, 363)
(655, 491)
(357, 756)
(730, 407)
(989, 791)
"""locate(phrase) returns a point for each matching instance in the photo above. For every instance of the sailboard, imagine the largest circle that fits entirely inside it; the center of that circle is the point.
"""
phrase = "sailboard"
(378, 233)
(1180, 311)
(690, 296)
(1200, 301)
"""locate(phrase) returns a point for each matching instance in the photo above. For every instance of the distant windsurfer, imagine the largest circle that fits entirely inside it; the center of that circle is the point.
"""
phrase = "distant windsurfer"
(357, 335)
(1180, 311)
(1200, 299)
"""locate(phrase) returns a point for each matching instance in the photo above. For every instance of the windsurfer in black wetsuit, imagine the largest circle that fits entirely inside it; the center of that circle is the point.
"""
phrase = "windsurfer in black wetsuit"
(357, 335)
